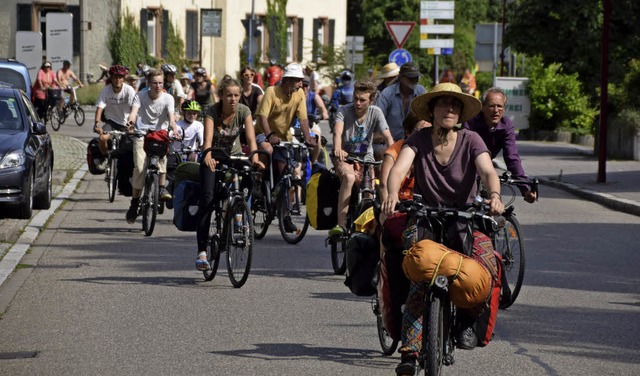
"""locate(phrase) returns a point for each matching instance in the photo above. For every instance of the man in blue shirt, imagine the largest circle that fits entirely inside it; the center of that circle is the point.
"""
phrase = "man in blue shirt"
(394, 101)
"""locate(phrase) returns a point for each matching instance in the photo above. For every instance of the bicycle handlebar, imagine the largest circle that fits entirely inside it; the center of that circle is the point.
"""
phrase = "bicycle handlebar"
(505, 178)
(416, 208)
(360, 159)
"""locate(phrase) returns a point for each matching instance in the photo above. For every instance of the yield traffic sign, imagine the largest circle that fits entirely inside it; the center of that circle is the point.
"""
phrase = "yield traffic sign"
(400, 31)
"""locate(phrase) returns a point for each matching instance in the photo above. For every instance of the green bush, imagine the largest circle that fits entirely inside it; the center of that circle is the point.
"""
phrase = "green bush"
(558, 102)
(126, 44)
(88, 95)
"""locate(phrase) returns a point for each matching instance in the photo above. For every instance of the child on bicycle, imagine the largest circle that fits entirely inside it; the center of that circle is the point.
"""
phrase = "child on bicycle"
(353, 132)
(446, 161)
(191, 130)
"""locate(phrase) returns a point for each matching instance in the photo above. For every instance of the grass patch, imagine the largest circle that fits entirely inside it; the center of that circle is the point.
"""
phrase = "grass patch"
(69, 175)
(23, 266)
(88, 95)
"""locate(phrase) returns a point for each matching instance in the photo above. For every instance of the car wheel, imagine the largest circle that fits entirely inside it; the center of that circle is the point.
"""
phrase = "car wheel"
(25, 207)
(43, 199)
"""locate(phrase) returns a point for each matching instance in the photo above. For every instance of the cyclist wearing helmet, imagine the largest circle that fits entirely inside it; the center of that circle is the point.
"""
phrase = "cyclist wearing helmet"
(114, 105)
(203, 90)
(273, 74)
(191, 129)
(172, 86)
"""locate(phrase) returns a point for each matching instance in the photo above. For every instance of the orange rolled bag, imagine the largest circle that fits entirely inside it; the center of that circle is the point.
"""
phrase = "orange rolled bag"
(469, 281)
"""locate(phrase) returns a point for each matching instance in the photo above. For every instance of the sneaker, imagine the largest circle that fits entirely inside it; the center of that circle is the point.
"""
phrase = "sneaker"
(295, 210)
(132, 213)
(202, 265)
(288, 225)
(337, 231)
(467, 338)
(165, 195)
(407, 366)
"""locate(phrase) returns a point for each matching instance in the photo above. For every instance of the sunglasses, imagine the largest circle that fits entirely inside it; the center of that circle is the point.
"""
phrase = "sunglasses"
(248, 75)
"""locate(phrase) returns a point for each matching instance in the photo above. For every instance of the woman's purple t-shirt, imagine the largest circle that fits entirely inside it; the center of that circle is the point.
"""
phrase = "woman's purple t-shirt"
(450, 185)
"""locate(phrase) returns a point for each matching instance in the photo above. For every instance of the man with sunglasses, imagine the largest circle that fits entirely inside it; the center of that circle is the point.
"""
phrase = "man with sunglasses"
(394, 101)
(499, 134)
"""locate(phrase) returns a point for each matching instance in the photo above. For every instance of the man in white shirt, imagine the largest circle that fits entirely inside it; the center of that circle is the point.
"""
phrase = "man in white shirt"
(152, 109)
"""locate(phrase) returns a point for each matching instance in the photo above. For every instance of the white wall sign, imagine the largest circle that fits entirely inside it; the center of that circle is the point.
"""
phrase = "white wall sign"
(29, 51)
(518, 104)
(59, 35)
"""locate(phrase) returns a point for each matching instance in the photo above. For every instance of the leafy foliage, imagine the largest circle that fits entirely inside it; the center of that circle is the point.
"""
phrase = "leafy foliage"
(175, 47)
(126, 44)
(277, 23)
(557, 101)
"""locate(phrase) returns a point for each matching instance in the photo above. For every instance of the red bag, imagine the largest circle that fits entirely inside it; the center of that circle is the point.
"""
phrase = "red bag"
(157, 143)
(484, 253)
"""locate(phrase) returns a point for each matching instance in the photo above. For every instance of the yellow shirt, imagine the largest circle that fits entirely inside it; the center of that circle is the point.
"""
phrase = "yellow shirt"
(281, 111)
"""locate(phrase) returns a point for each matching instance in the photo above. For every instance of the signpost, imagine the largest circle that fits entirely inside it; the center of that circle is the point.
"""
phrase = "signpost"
(59, 36)
(518, 103)
(29, 51)
(430, 12)
(354, 47)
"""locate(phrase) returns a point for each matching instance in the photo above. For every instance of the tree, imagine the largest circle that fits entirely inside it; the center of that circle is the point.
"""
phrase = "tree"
(570, 32)
(277, 23)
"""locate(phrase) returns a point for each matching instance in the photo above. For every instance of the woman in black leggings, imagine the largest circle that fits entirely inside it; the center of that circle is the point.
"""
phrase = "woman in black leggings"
(222, 126)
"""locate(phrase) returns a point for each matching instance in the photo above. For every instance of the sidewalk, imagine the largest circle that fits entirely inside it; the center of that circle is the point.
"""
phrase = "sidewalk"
(574, 169)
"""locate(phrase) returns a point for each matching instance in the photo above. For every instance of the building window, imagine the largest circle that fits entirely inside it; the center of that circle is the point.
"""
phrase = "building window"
(266, 39)
(151, 34)
(192, 35)
(323, 36)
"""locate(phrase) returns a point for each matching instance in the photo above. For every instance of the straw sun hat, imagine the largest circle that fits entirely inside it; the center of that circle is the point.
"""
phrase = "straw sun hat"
(389, 70)
(471, 105)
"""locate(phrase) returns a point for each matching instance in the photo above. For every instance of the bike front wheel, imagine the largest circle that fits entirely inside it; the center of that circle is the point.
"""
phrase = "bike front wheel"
(433, 339)
(53, 119)
(260, 210)
(78, 115)
(239, 242)
(112, 178)
(150, 205)
(508, 242)
(296, 214)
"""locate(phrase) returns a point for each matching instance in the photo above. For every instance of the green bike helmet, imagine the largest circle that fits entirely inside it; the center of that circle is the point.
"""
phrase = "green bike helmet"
(190, 105)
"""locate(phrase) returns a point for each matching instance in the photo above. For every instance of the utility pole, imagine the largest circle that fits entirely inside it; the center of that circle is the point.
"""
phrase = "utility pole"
(604, 111)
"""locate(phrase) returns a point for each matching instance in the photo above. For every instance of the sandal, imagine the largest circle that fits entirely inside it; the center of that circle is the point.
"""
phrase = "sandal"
(202, 265)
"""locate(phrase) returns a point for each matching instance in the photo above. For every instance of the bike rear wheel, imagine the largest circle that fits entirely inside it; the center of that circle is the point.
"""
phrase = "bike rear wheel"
(239, 242)
(213, 252)
(388, 344)
(112, 178)
(298, 218)
(78, 115)
(510, 244)
(150, 205)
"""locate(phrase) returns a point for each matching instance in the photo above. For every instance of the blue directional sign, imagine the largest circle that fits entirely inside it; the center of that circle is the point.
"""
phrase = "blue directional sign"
(400, 56)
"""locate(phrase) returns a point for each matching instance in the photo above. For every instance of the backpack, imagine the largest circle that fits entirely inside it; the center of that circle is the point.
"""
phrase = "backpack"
(186, 195)
(484, 253)
(322, 200)
(95, 158)
(362, 257)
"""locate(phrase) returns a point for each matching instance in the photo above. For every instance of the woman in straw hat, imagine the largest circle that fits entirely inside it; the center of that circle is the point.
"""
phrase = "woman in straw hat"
(388, 75)
(446, 161)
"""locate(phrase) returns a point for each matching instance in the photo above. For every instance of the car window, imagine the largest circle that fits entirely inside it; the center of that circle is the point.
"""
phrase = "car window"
(12, 77)
(31, 112)
(9, 114)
